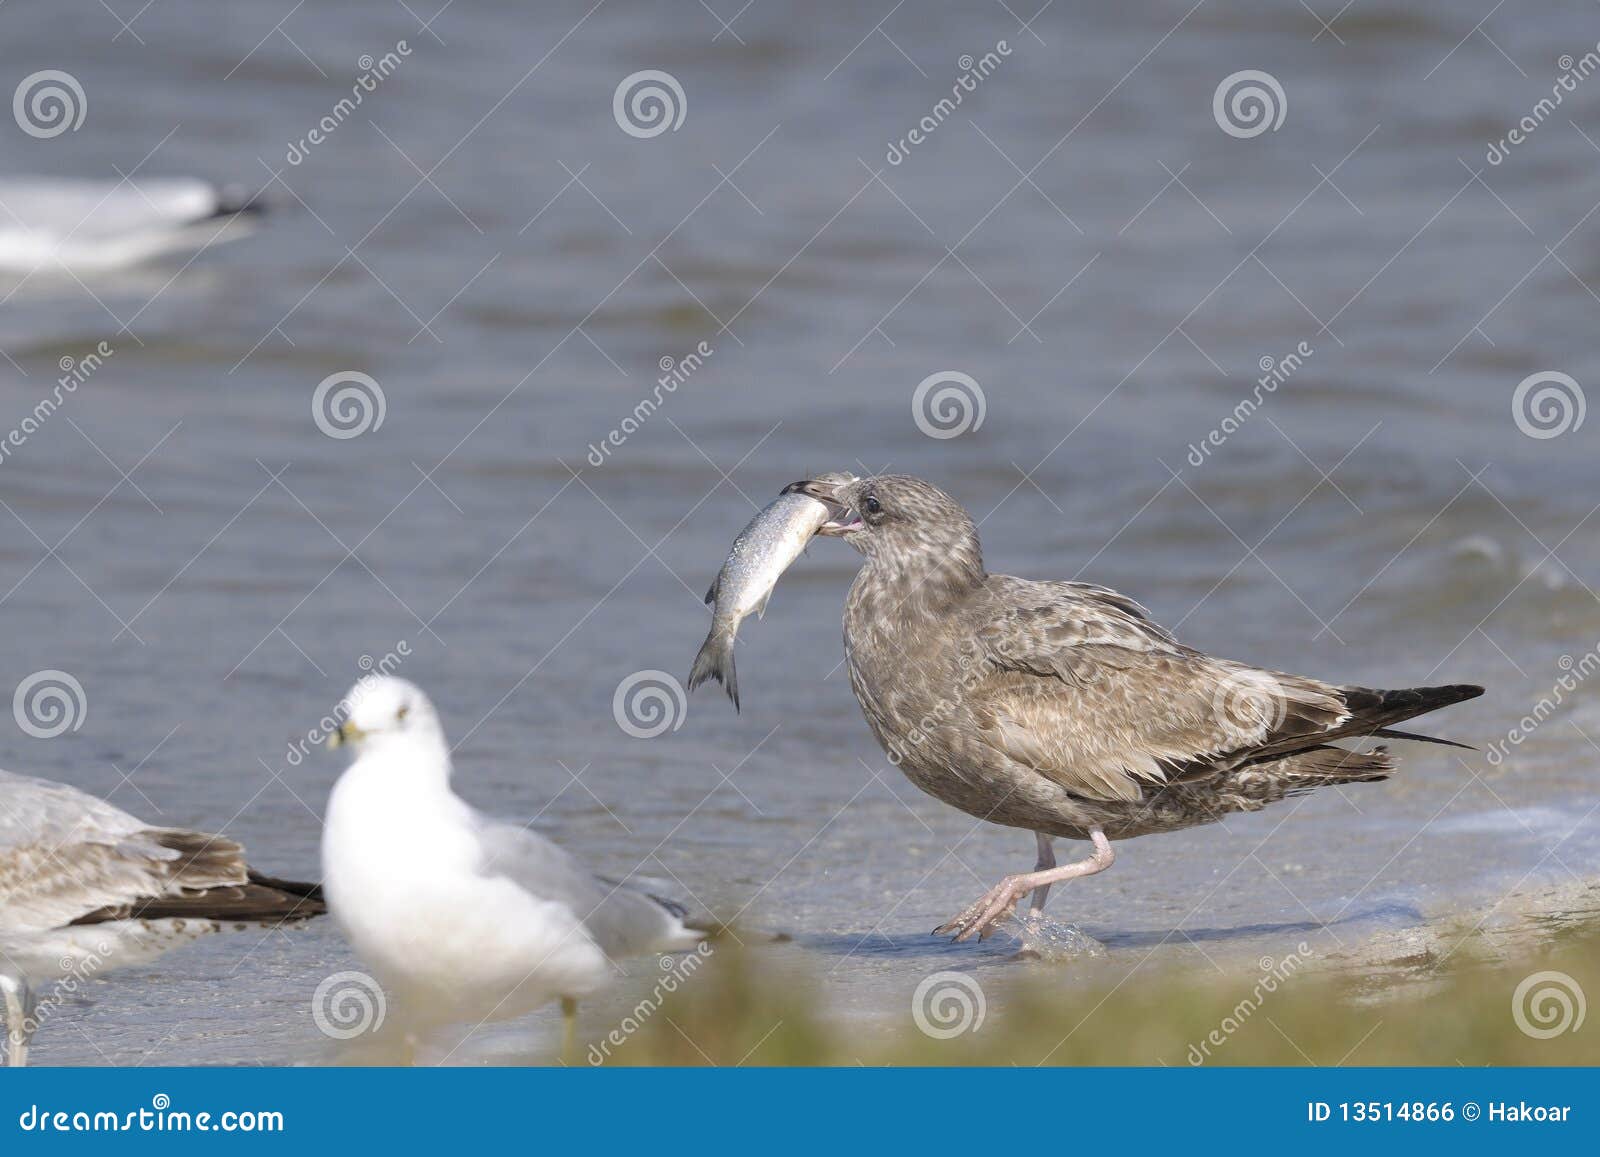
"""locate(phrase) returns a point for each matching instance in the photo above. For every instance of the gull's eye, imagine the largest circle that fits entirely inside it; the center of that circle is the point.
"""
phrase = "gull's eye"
(873, 505)
(399, 716)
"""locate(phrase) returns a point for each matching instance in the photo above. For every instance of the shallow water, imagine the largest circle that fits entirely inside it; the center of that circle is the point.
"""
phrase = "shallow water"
(1379, 520)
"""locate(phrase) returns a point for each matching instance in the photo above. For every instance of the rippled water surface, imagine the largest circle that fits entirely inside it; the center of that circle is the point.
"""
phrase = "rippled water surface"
(1079, 236)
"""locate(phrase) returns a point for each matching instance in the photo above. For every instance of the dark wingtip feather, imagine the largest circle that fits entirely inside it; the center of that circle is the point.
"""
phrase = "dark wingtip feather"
(292, 887)
(1372, 711)
(1433, 698)
(671, 906)
(234, 201)
(1391, 733)
(264, 900)
(716, 929)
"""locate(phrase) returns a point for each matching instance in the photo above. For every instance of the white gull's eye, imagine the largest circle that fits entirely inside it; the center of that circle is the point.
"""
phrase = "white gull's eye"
(399, 716)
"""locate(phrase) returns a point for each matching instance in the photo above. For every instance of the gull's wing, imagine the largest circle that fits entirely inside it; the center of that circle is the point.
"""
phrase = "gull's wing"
(89, 209)
(1048, 628)
(622, 920)
(68, 857)
(1079, 685)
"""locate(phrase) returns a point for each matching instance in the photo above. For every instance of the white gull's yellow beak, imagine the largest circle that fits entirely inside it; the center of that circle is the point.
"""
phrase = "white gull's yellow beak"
(347, 734)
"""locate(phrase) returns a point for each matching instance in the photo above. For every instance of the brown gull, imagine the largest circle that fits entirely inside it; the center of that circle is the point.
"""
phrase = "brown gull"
(85, 888)
(1061, 707)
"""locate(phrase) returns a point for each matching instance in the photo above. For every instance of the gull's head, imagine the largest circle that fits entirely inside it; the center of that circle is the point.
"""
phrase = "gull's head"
(382, 707)
(903, 523)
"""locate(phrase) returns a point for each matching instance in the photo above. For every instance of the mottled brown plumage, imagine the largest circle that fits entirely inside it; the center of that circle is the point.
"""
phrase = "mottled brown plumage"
(1061, 707)
(86, 887)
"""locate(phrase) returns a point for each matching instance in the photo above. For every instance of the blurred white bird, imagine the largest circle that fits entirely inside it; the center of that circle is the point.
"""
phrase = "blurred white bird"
(88, 226)
(460, 915)
(86, 888)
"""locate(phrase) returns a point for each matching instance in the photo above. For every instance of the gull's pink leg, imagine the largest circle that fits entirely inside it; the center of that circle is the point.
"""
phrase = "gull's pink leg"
(980, 918)
(1046, 861)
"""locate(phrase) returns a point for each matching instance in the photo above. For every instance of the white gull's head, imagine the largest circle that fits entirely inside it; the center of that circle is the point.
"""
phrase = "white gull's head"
(382, 708)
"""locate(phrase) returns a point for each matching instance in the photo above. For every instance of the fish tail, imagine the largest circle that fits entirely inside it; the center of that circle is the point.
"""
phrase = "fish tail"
(715, 661)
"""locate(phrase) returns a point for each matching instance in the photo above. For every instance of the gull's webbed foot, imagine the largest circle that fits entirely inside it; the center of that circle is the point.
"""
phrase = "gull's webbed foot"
(982, 919)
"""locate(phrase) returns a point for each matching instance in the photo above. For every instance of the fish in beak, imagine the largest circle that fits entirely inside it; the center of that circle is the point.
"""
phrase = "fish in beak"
(828, 491)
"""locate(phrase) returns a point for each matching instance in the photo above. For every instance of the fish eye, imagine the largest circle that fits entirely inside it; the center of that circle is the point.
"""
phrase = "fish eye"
(873, 505)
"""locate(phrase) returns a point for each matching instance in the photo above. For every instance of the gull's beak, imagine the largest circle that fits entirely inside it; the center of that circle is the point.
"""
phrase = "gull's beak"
(842, 518)
(347, 734)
